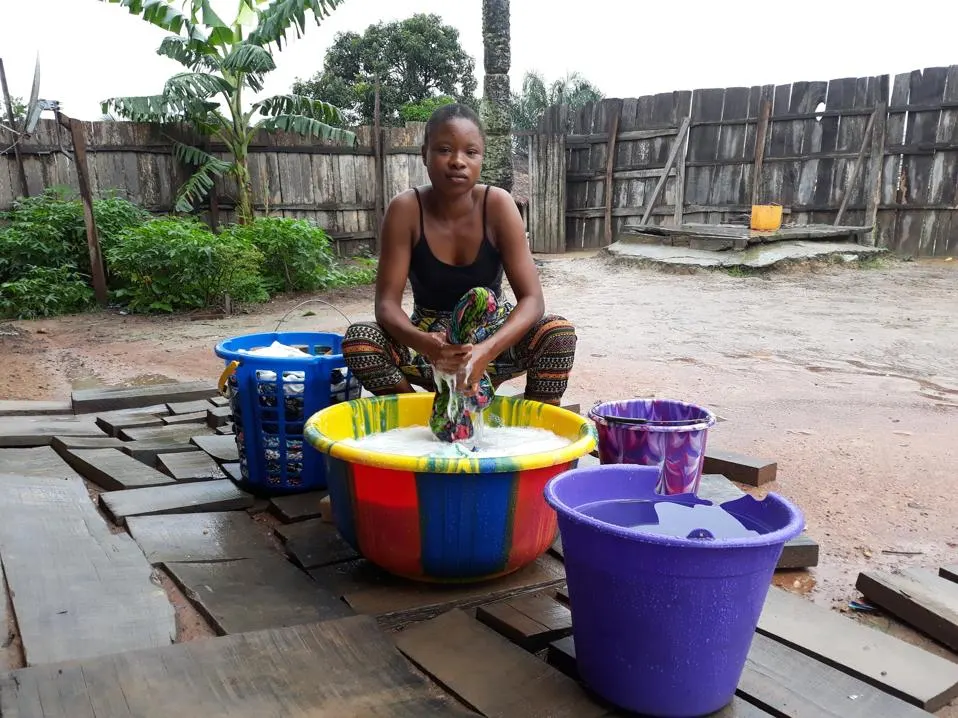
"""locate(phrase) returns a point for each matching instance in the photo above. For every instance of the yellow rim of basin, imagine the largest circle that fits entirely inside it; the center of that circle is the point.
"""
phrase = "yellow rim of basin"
(326, 429)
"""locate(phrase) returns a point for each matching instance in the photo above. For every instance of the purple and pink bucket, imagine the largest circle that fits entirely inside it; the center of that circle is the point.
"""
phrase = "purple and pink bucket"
(655, 432)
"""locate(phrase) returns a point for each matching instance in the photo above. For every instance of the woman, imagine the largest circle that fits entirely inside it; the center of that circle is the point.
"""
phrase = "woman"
(460, 325)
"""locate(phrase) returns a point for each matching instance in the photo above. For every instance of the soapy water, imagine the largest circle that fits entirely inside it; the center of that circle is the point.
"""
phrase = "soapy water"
(487, 443)
(669, 518)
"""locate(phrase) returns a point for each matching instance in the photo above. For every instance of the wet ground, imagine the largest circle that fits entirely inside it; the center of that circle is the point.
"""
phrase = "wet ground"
(847, 377)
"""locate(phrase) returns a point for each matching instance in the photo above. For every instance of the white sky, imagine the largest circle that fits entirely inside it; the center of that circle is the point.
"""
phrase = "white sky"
(90, 50)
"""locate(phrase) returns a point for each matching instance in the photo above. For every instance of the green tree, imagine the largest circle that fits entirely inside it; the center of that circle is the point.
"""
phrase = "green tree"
(420, 111)
(527, 106)
(19, 111)
(496, 98)
(223, 60)
(415, 59)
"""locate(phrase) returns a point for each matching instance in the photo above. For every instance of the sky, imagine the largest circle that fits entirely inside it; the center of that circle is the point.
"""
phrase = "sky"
(91, 50)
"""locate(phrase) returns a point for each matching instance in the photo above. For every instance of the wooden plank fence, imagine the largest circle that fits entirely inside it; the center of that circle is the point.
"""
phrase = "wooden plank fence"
(292, 175)
(874, 151)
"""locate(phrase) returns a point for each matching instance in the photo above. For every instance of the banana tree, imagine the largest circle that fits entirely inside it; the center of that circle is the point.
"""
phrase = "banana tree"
(222, 61)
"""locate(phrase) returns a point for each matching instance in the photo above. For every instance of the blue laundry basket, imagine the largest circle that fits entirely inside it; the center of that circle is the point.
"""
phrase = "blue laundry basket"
(272, 397)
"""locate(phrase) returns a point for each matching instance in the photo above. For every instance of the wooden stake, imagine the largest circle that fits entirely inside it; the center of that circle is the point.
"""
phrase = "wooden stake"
(24, 189)
(761, 133)
(678, 216)
(856, 170)
(609, 166)
(876, 165)
(676, 146)
(379, 168)
(83, 179)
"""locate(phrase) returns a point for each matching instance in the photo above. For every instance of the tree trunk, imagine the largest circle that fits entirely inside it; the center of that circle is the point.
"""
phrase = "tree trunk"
(496, 97)
(244, 190)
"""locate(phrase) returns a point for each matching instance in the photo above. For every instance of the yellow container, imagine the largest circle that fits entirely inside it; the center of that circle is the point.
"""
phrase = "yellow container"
(766, 217)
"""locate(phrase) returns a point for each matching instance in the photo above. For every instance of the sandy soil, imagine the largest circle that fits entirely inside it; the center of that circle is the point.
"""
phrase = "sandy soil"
(847, 377)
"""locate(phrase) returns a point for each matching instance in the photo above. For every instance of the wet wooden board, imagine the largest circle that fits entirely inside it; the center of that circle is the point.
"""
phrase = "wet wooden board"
(395, 601)
(870, 655)
(114, 422)
(197, 418)
(314, 543)
(21, 407)
(949, 572)
(918, 597)
(255, 593)
(31, 431)
(297, 507)
(173, 433)
(40, 461)
(800, 552)
(790, 683)
(199, 406)
(213, 536)
(232, 471)
(112, 470)
(532, 622)
(62, 444)
(177, 498)
(189, 466)
(738, 467)
(7, 633)
(221, 448)
(263, 674)
(219, 400)
(226, 430)
(147, 450)
(78, 590)
(562, 656)
(90, 400)
(489, 673)
(219, 416)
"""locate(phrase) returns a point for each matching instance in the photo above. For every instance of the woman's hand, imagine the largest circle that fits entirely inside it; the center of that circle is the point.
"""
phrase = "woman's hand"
(480, 359)
(447, 358)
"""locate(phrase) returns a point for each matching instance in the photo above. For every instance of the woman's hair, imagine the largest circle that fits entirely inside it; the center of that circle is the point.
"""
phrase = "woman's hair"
(453, 111)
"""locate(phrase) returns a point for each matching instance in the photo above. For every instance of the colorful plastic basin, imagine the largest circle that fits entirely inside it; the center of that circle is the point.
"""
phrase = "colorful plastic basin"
(443, 520)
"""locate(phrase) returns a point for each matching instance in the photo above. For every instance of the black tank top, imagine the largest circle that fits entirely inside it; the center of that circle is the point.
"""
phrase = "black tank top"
(437, 285)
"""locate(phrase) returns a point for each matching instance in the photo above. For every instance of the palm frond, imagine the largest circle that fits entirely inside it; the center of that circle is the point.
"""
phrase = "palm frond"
(179, 49)
(307, 126)
(190, 85)
(277, 18)
(252, 62)
(202, 12)
(202, 180)
(299, 105)
(152, 108)
(166, 16)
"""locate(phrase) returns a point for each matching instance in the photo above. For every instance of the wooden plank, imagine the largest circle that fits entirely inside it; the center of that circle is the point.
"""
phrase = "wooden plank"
(874, 179)
(62, 444)
(490, 674)
(198, 417)
(20, 407)
(262, 674)
(906, 671)
(673, 154)
(296, 507)
(849, 187)
(561, 655)
(949, 572)
(113, 422)
(679, 204)
(221, 448)
(532, 622)
(218, 416)
(219, 400)
(918, 597)
(394, 601)
(78, 590)
(189, 466)
(146, 450)
(193, 538)
(30, 431)
(173, 433)
(314, 543)
(738, 467)
(609, 166)
(761, 134)
(194, 497)
(254, 594)
(626, 136)
(112, 470)
(91, 400)
(191, 407)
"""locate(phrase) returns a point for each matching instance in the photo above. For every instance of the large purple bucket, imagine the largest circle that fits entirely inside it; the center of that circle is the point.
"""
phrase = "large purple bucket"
(663, 624)
(671, 436)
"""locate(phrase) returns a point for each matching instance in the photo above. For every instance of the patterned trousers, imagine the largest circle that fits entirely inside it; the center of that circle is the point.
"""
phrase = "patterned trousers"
(545, 354)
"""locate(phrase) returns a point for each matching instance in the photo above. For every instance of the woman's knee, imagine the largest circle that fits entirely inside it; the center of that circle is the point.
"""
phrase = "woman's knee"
(555, 335)
(364, 339)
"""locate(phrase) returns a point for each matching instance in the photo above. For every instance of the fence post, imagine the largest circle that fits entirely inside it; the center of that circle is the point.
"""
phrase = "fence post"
(547, 183)
(379, 169)
(21, 173)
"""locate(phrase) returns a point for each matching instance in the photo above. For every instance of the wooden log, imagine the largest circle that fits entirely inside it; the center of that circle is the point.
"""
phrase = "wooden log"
(918, 597)
(378, 168)
(609, 166)
(488, 673)
(676, 147)
(112, 470)
(761, 133)
(738, 467)
(531, 622)
(856, 168)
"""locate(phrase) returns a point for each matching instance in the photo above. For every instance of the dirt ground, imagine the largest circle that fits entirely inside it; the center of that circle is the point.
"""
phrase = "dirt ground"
(847, 377)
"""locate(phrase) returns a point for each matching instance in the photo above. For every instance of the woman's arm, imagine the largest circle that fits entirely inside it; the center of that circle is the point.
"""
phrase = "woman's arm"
(506, 222)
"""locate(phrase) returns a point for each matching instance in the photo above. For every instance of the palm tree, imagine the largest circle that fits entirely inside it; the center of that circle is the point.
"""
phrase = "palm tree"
(221, 63)
(572, 90)
(496, 96)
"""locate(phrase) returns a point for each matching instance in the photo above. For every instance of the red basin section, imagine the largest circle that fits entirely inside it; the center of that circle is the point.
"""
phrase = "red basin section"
(443, 527)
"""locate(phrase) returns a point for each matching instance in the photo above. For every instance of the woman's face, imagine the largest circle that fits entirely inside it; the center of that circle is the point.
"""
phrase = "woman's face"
(453, 156)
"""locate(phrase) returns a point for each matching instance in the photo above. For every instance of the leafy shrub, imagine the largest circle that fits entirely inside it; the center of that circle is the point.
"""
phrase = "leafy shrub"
(174, 264)
(45, 292)
(113, 215)
(420, 111)
(297, 254)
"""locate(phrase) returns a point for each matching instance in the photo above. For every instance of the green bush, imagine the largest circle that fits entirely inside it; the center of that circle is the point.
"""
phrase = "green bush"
(46, 292)
(177, 264)
(297, 255)
(420, 111)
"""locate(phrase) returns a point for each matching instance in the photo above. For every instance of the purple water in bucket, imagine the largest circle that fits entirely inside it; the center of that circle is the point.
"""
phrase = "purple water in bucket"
(655, 432)
(665, 590)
